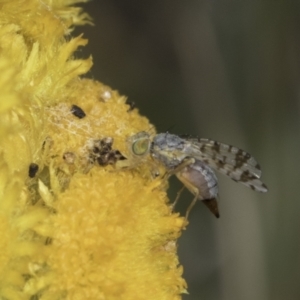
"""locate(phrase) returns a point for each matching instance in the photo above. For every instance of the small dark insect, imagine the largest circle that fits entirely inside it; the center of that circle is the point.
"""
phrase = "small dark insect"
(110, 158)
(77, 111)
(33, 168)
(104, 154)
(131, 106)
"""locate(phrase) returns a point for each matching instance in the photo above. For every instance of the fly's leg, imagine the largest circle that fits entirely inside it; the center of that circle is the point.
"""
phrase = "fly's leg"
(177, 171)
(191, 206)
(177, 198)
(185, 163)
(190, 173)
(180, 167)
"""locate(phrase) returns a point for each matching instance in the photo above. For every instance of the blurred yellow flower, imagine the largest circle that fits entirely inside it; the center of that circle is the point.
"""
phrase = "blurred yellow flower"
(73, 224)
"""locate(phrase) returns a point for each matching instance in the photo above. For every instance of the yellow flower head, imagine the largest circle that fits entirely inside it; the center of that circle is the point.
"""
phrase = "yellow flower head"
(79, 218)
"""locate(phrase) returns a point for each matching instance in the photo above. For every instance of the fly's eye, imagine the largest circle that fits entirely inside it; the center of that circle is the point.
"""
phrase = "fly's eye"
(141, 146)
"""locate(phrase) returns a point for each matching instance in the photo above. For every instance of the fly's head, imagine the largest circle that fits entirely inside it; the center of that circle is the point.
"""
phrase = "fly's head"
(162, 151)
(138, 146)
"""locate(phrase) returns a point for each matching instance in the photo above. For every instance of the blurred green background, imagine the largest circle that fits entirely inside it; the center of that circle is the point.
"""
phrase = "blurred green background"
(226, 70)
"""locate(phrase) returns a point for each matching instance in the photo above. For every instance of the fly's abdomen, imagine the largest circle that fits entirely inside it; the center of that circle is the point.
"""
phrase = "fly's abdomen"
(199, 179)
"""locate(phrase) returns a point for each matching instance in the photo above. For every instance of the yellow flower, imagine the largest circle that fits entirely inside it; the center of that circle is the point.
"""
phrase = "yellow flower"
(74, 224)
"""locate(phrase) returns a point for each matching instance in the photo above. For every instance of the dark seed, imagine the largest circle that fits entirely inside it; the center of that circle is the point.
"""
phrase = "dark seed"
(77, 111)
(48, 241)
(33, 168)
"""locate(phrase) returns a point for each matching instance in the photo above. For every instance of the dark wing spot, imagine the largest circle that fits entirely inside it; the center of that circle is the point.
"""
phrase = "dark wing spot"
(33, 168)
(241, 159)
(220, 163)
(238, 163)
(202, 149)
(252, 187)
(257, 166)
(246, 176)
(241, 154)
(216, 146)
(77, 111)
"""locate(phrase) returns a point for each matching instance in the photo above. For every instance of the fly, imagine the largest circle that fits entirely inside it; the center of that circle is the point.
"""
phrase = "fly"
(193, 161)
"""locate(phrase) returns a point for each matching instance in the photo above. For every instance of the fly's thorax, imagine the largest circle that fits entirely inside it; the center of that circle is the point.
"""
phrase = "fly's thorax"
(169, 141)
(168, 149)
(198, 177)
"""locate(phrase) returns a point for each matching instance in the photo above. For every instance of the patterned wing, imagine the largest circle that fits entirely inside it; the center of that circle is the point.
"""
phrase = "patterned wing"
(233, 162)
